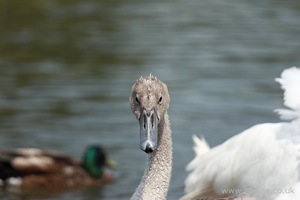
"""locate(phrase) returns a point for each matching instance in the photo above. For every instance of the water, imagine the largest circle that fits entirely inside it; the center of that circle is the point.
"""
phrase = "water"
(67, 68)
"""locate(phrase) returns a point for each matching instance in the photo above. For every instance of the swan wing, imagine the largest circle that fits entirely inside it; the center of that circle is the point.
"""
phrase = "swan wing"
(255, 162)
(290, 83)
(262, 161)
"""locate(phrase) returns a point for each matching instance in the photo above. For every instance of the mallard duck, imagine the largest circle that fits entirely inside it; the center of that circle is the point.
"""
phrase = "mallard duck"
(35, 168)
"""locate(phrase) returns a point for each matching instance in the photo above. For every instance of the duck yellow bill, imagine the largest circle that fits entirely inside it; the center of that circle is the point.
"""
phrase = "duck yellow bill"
(111, 163)
(148, 130)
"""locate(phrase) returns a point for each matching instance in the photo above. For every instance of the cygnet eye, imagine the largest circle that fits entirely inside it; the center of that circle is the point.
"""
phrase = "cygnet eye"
(160, 99)
(137, 100)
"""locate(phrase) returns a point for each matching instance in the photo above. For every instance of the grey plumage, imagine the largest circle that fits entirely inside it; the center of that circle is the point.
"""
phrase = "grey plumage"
(147, 94)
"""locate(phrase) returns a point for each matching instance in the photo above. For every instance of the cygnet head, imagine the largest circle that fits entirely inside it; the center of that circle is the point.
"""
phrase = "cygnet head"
(149, 101)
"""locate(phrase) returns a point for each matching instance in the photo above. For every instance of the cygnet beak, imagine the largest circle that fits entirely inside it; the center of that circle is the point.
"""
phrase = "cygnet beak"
(148, 130)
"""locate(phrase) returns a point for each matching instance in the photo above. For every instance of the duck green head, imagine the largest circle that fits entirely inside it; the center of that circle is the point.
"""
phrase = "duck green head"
(94, 161)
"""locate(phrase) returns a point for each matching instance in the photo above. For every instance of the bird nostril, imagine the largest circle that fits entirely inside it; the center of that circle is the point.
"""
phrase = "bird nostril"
(152, 121)
(145, 121)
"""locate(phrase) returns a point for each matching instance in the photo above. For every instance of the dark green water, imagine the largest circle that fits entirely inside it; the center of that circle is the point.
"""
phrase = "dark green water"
(67, 67)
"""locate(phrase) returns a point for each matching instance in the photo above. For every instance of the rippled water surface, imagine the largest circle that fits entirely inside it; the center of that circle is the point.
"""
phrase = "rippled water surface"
(67, 68)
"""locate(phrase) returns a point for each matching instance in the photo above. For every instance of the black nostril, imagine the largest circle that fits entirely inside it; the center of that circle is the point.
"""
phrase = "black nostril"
(148, 149)
(152, 121)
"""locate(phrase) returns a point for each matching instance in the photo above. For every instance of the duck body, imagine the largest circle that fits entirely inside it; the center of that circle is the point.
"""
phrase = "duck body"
(35, 168)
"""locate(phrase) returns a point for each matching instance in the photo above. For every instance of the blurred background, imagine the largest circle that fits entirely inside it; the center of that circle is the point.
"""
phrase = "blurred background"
(67, 67)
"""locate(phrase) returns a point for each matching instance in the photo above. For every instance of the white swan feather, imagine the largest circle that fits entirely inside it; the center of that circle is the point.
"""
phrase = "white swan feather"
(261, 162)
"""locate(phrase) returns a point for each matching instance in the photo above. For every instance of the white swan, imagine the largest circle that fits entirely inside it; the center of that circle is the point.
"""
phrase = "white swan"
(262, 162)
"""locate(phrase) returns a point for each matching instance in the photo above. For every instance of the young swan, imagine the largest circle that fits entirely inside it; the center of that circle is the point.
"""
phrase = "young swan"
(149, 101)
